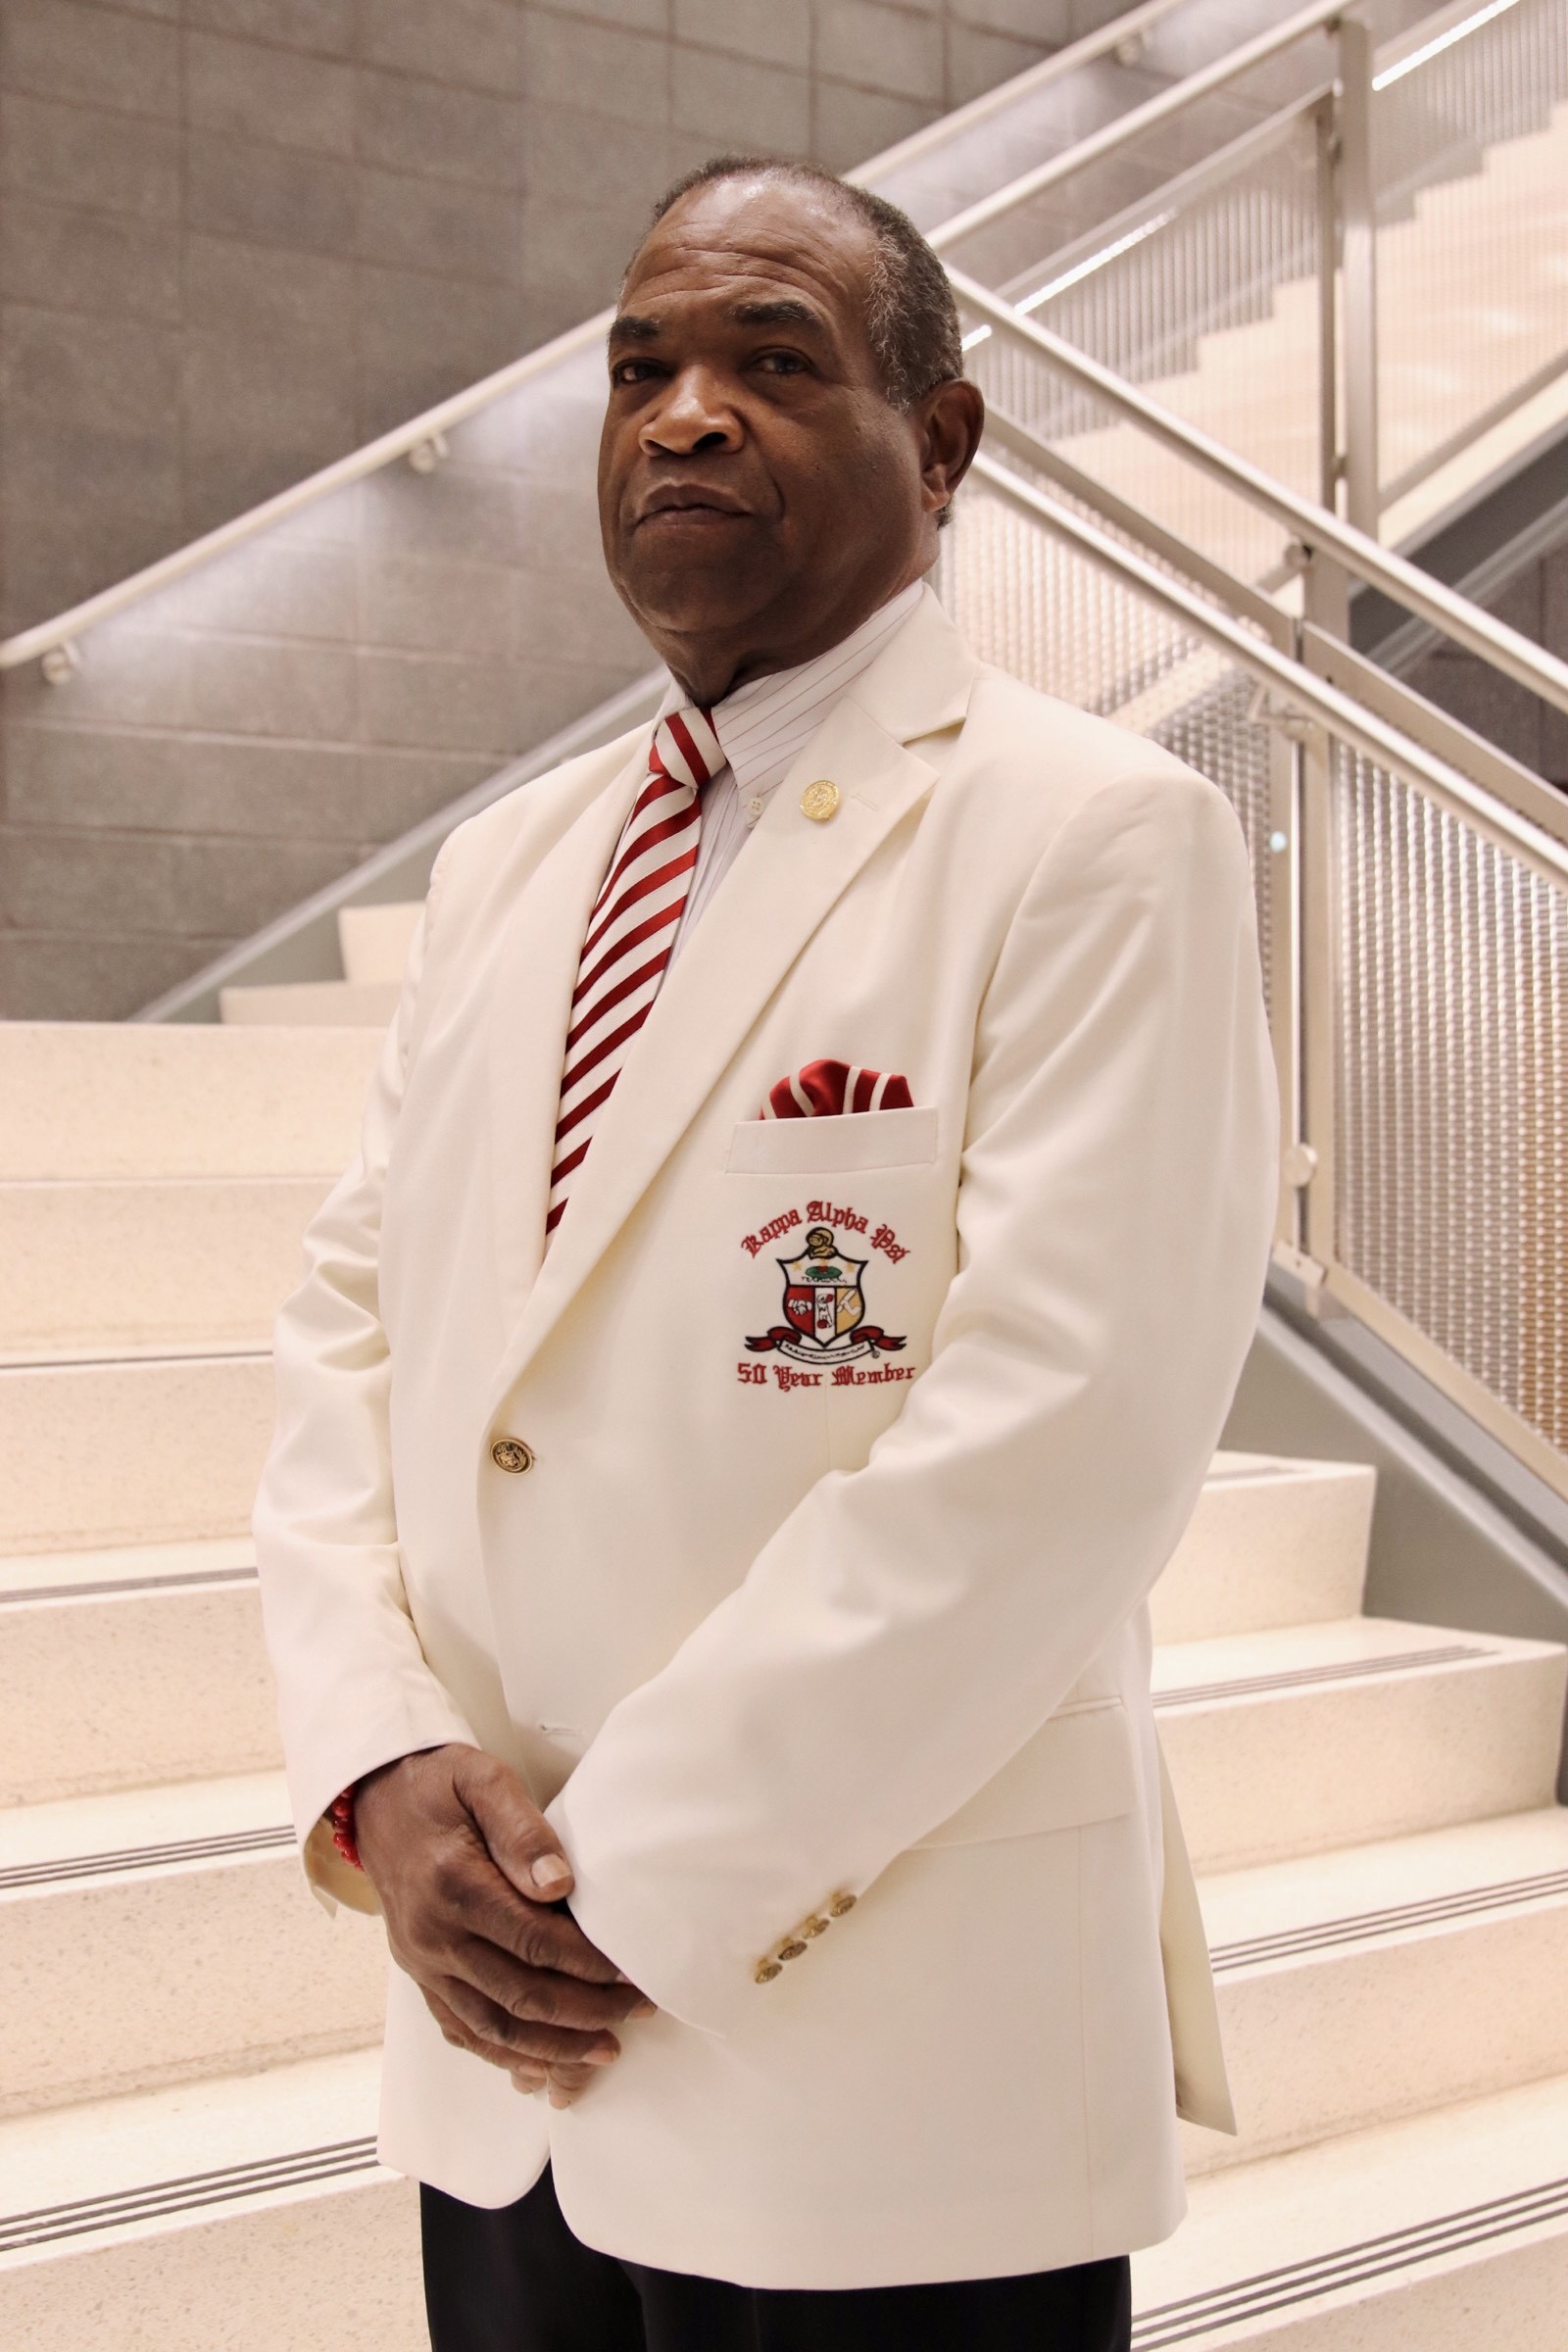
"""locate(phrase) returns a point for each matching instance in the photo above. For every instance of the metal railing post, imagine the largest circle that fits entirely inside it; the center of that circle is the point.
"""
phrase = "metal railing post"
(1358, 279)
(1316, 1002)
(1328, 331)
(1284, 894)
(1326, 587)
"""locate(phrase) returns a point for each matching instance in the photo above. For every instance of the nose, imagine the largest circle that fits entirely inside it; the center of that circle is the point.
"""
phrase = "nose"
(693, 418)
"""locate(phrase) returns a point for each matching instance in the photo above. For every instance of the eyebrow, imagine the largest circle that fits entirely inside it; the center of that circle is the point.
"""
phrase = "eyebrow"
(627, 327)
(782, 310)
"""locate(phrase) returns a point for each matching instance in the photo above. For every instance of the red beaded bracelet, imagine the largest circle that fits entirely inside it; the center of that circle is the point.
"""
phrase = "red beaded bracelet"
(340, 1813)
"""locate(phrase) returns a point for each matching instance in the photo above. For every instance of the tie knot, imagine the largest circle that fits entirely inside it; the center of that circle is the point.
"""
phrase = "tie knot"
(686, 746)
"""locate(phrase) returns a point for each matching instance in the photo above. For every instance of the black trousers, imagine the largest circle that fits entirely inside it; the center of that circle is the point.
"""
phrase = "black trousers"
(518, 2281)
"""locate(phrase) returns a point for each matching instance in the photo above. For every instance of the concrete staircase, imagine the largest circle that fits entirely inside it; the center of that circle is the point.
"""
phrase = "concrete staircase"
(187, 2068)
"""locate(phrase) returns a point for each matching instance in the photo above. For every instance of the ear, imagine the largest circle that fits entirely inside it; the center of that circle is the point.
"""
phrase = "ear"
(951, 421)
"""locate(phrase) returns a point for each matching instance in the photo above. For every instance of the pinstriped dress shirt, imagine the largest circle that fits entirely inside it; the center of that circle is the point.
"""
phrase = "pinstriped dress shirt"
(761, 727)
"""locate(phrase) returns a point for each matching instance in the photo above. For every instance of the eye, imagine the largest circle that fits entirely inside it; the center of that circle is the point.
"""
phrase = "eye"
(633, 372)
(783, 363)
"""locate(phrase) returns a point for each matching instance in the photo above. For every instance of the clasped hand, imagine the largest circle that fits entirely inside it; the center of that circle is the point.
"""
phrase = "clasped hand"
(473, 1884)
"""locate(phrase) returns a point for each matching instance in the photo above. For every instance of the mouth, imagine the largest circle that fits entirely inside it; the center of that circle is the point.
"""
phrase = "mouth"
(689, 507)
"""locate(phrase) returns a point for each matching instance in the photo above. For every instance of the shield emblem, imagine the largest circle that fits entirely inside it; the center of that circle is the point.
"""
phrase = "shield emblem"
(822, 1296)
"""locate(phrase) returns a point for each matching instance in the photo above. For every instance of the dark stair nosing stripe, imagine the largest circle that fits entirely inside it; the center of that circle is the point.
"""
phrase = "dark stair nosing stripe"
(1350, 2266)
(22, 1594)
(147, 1857)
(1339, 1670)
(1463, 1903)
(189, 2193)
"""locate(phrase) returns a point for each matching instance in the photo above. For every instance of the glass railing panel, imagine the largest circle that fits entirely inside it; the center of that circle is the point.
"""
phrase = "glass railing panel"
(1470, 150)
(1210, 299)
(939, 173)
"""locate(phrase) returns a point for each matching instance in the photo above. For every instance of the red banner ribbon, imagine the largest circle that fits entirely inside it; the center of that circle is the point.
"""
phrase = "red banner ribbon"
(870, 1335)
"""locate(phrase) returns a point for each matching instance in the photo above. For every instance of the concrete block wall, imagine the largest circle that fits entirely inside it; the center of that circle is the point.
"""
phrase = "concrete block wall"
(240, 237)
(234, 741)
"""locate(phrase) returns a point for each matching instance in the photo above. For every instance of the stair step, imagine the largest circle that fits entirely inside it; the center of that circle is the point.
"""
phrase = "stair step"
(150, 1451)
(131, 1668)
(310, 1004)
(1271, 1542)
(375, 941)
(1442, 2233)
(178, 1098)
(1388, 1979)
(1314, 1736)
(167, 1260)
(242, 2212)
(208, 1871)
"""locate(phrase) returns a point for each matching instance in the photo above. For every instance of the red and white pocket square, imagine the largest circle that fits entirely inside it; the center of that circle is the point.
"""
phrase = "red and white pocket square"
(829, 1089)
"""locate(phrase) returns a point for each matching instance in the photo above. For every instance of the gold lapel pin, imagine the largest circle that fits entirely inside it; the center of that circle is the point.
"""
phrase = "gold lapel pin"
(819, 800)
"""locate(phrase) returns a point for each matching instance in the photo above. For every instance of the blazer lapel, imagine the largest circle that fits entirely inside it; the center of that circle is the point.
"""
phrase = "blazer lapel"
(788, 876)
(529, 1016)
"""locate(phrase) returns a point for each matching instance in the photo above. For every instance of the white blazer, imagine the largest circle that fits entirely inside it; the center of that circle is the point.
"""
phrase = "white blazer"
(770, 1629)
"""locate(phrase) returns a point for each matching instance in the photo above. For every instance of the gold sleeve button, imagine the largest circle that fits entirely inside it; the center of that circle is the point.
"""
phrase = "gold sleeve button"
(838, 1904)
(766, 1971)
(790, 1950)
(815, 1926)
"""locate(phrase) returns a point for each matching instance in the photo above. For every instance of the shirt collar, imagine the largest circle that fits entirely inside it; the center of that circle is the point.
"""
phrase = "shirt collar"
(763, 724)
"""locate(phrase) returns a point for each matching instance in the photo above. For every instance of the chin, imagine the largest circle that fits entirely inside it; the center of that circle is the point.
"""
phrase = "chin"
(691, 598)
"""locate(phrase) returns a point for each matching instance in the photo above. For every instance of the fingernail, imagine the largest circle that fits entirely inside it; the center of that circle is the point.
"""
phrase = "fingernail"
(644, 2008)
(602, 2057)
(550, 1872)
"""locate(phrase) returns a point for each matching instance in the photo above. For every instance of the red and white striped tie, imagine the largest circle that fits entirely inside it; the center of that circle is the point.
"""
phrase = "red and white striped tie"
(630, 934)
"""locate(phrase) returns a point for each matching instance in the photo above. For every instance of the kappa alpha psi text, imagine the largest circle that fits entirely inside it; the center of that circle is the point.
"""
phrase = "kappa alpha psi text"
(824, 1328)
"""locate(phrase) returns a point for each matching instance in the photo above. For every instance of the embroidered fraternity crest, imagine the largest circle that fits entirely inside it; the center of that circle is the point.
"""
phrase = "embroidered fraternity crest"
(824, 1301)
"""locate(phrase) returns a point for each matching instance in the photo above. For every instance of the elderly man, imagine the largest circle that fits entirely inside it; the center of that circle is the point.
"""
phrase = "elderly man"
(812, 1213)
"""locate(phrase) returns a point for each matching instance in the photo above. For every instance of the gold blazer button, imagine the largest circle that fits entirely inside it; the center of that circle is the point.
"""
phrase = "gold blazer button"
(511, 1453)
(820, 799)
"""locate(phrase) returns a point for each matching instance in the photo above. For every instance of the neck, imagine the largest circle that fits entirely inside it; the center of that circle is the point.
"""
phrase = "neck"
(710, 667)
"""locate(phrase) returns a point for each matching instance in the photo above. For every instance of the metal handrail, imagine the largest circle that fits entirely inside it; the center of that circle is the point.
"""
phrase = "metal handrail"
(427, 428)
(1319, 18)
(1306, 693)
(1314, 525)
(422, 431)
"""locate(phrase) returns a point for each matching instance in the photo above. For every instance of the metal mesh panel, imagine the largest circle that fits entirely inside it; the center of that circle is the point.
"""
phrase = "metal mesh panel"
(1451, 1083)
(1209, 297)
(1030, 602)
(1471, 155)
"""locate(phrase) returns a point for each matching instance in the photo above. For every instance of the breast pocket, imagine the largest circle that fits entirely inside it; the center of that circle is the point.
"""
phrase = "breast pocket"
(849, 1145)
(847, 1230)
